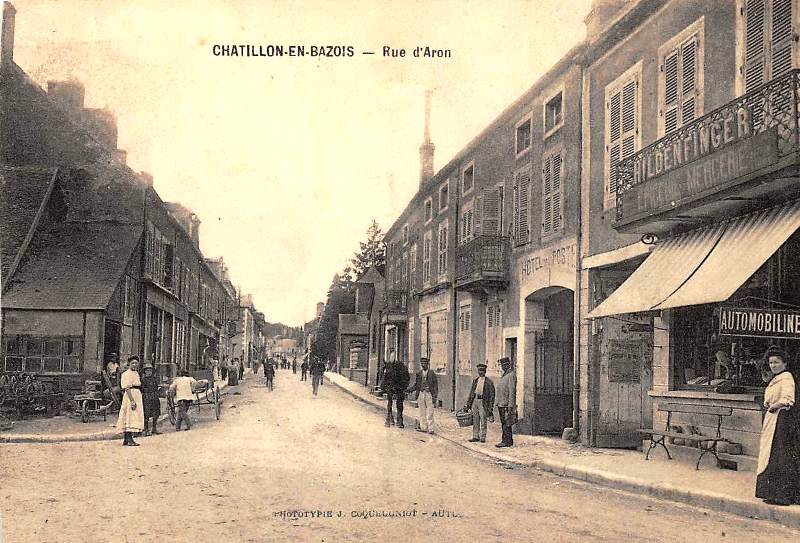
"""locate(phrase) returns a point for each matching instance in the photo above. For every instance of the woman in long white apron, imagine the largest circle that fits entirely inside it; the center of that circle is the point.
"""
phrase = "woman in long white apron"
(778, 474)
(131, 414)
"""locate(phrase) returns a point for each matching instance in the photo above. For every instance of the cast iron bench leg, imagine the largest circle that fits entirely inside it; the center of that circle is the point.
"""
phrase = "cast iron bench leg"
(712, 449)
(653, 443)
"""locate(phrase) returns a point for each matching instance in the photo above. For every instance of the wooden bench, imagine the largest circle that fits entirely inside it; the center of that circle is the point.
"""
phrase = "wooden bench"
(707, 444)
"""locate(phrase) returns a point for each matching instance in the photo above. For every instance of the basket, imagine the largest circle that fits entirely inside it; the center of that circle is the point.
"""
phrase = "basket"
(464, 417)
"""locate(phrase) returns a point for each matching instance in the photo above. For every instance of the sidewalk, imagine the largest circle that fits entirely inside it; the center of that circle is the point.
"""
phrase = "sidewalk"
(68, 427)
(710, 487)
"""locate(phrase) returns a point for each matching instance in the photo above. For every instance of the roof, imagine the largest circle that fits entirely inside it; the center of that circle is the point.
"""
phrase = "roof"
(371, 275)
(73, 266)
(22, 194)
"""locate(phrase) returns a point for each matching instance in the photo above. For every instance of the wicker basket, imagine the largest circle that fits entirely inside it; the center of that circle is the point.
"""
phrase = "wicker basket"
(464, 417)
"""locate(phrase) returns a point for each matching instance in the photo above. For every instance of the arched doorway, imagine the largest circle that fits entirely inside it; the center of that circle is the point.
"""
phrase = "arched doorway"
(549, 344)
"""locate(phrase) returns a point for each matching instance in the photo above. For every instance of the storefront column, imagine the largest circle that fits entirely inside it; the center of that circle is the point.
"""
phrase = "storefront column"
(587, 384)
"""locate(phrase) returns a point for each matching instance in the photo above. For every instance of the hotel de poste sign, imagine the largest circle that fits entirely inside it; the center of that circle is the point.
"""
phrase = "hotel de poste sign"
(715, 155)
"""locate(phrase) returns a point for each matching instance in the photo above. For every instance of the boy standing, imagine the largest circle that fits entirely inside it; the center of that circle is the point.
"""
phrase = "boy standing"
(181, 387)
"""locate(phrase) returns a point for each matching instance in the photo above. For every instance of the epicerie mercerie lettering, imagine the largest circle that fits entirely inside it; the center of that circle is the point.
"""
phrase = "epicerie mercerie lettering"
(279, 50)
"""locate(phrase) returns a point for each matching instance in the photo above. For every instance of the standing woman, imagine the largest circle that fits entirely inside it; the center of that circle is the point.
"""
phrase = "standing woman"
(131, 414)
(778, 479)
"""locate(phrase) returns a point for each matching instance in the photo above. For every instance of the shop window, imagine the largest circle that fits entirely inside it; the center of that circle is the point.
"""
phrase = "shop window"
(52, 354)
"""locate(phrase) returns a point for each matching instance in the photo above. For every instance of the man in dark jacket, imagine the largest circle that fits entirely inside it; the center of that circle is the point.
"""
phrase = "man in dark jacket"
(317, 370)
(395, 383)
(426, 385)
(481, 401)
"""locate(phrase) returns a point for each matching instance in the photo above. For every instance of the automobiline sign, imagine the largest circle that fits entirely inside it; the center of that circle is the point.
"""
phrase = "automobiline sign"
(774, 323)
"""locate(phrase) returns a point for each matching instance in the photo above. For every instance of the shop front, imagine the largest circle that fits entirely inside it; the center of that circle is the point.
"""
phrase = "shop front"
(689, 321)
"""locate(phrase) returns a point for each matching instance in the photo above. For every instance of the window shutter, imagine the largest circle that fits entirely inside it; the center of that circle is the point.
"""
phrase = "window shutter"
(689, 80)
(515, 209)
(671, 110)
(491, 211)
(547, 197)
(754, 43)
(613, 145)
(476, 221)
(524, 190)
(558, 201)
(781, 38)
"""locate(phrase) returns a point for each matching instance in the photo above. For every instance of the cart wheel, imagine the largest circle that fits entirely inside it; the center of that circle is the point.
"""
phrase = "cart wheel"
(217, 404)
(85, 411)
(171, 409)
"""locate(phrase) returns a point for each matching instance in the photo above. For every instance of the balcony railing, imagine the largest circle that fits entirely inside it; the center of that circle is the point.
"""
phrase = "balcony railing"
(483, 258)
(396, 301)
(771, 107)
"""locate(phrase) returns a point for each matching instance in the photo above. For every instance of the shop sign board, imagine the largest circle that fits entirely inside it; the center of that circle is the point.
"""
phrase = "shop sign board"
(562, 255)
(664, 183)
(768, 323)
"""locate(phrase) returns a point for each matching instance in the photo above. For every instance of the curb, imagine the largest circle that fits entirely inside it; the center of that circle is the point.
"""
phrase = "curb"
(697, 498)
(103, 435)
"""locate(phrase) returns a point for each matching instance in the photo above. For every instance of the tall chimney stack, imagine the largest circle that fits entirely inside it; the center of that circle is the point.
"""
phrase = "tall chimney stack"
(427, 147)
(7, 38)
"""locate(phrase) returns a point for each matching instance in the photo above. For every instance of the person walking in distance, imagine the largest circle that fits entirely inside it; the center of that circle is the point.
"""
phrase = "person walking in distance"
(481, 401)
(304, 371)
(426, 385)
(269, 373)
(395, 383)
(182, 387)
(507, 402)
(317, 370)
(131, 413)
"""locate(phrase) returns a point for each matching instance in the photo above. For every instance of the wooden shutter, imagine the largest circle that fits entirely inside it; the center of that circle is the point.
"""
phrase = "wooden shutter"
(491, 212)
(781, 38)
(547, 200)
(614, 144)
(523, 190)
(476, 215)
(671, 98)
(755, 44)
(557, 193)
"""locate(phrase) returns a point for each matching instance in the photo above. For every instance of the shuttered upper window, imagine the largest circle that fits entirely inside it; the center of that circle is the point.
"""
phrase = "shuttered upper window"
(552, 194)
(426, 257)
(769, 44)
(622, 127)
(520, 230)
(681, 79)
(442, 260)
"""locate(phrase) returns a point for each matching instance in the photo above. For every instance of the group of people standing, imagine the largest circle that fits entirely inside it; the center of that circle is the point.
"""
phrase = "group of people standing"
(230, 370)
(140, 406)
(483, 397)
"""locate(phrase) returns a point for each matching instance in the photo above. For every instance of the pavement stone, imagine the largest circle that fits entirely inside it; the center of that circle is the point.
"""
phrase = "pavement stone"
(626, 470)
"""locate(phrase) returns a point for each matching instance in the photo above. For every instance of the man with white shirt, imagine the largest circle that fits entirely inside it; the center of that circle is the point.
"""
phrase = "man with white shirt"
(481, 401)
(182, 388)
(426, 385)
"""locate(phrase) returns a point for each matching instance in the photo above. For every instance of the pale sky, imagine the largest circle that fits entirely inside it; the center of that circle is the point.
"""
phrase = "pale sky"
(286, 160)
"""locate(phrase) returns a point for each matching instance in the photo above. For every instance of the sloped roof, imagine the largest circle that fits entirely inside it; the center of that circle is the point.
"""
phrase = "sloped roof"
(371, 275)
(22, 193)
(73, 265)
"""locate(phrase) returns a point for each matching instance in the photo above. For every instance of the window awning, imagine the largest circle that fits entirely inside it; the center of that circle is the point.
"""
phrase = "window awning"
(669, 266)
(703, 266)
(747, 243)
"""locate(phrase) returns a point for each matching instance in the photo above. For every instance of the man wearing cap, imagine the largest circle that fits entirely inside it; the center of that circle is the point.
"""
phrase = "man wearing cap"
(507, 402)
(395, 383)
(426, 385)
(481, 401)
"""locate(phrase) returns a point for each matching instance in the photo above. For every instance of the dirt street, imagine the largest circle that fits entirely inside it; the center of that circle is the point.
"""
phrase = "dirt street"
(287, 466)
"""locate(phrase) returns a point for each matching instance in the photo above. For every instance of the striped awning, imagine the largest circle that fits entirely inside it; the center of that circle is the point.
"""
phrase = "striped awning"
(747, 243)
(703, 266)
(662, 273)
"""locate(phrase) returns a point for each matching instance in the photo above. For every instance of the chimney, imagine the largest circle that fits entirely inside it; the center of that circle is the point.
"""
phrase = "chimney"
(320, 308)
(600, 15)
(7, 39)
(67, 93)
(147, 178)
(427, 147)
(103, 125)
(194, 232)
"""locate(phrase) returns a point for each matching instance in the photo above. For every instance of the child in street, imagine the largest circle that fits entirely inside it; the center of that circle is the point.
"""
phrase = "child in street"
(182, 388)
